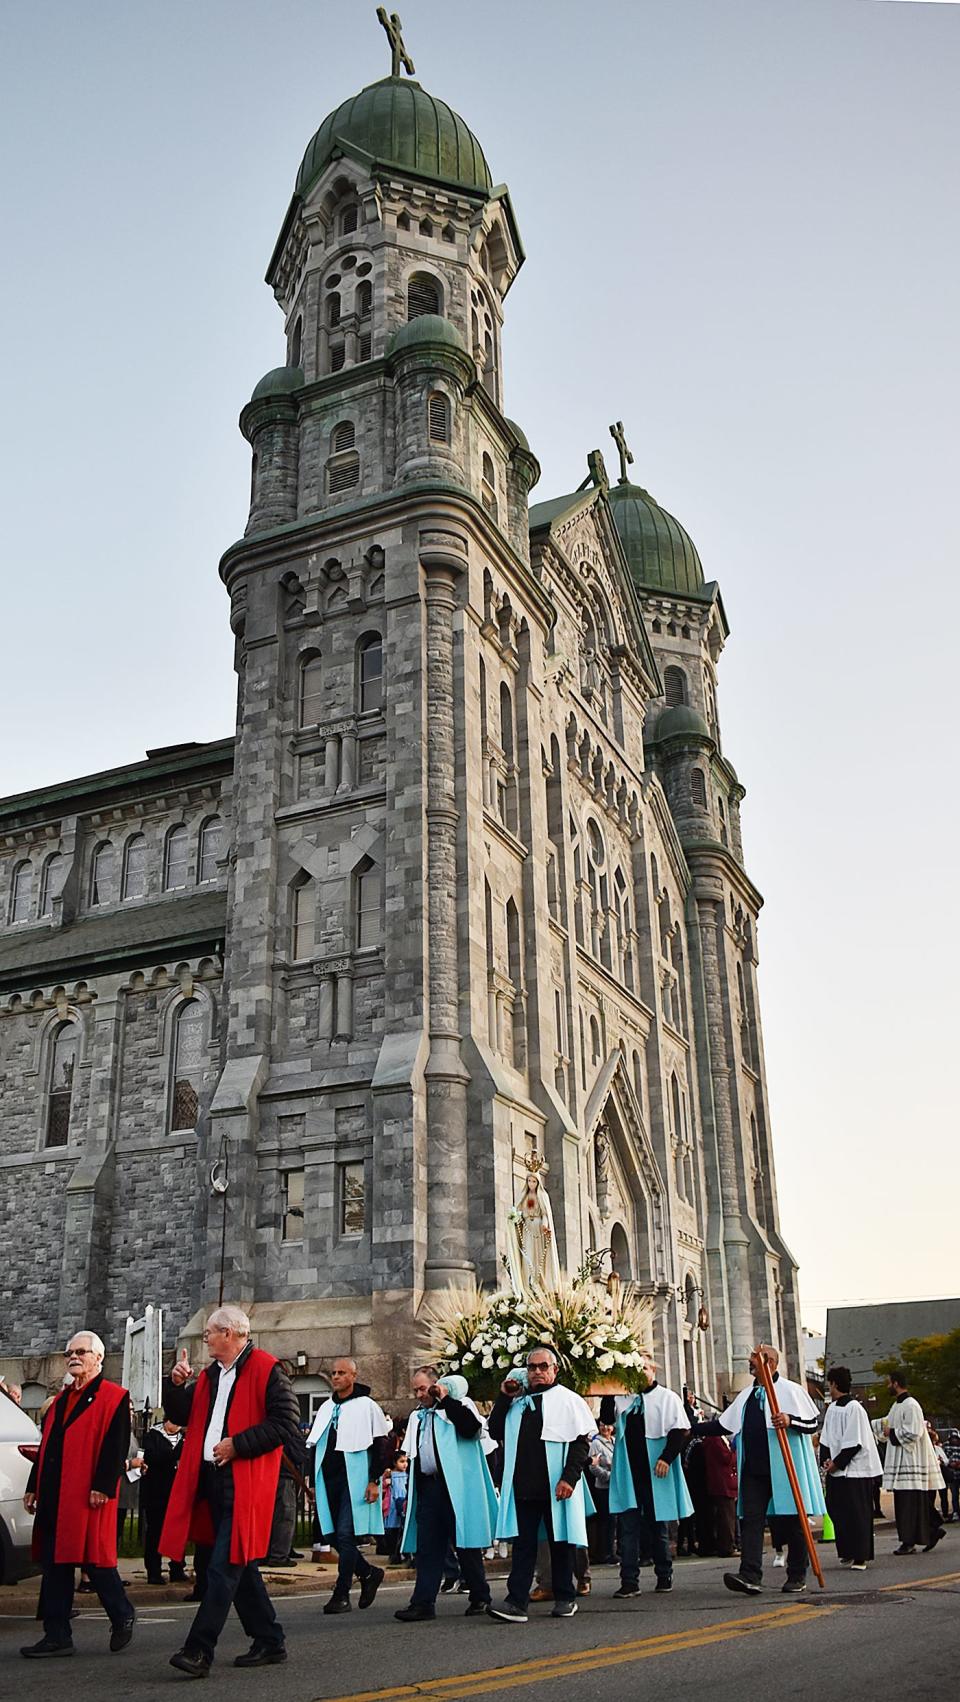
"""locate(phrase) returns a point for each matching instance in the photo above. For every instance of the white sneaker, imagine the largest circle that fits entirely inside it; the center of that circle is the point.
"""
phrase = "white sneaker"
(779, 1560)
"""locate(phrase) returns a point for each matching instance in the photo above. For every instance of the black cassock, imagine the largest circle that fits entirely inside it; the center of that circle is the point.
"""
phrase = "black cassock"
(161, 1458)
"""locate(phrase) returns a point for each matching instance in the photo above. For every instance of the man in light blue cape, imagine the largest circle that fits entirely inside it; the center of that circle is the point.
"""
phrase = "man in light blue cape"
(545, 1430)
(764, 1485)
(451, 1497)
(647, 1486)
(350, 1434)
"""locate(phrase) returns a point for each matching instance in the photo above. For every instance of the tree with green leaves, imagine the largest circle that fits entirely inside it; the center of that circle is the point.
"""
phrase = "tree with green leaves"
(931, 1365)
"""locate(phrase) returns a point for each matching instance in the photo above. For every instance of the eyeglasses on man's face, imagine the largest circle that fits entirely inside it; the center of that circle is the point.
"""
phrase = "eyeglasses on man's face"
(78, 1352)
(539, 1364)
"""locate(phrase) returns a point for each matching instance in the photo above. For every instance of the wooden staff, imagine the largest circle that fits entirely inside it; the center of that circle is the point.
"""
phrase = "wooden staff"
(763, 1372)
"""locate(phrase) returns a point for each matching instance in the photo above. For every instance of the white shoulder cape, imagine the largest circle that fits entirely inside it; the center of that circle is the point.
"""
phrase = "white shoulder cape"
(565, 1415)
(848, 1426)
(412, 1435)
(791, 1398)
(359, 1423)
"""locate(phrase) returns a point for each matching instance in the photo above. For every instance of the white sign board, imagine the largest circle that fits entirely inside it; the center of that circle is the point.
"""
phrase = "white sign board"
(142, 1353)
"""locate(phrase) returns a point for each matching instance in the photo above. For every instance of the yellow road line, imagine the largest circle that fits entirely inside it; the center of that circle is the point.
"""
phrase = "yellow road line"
(586, 1660)
(923, 1583)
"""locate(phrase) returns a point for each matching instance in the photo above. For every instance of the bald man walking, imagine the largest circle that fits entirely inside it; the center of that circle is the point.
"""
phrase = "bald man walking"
(351, 1437)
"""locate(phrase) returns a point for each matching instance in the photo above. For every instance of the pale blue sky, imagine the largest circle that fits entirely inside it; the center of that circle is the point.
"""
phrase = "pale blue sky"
(741, 224)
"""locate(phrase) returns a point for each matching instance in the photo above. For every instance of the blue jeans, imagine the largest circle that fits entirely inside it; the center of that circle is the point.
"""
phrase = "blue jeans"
(350, 1559)
(436, 1529)
(229, 1583)
(638, 1526)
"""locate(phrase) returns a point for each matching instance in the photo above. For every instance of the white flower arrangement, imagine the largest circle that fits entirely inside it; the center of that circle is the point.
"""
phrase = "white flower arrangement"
(593, 1333)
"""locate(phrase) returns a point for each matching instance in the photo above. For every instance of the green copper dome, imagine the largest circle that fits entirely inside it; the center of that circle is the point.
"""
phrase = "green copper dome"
(682, 719)
(280, 381)
(397, 123)
(661, 554)
(430, 328)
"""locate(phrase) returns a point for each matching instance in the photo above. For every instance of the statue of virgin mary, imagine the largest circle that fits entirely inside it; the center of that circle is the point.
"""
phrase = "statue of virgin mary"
(531, 1244)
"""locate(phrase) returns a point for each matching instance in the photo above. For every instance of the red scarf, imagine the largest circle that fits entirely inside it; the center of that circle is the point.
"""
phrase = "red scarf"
(254, 1481)
(84, 1535)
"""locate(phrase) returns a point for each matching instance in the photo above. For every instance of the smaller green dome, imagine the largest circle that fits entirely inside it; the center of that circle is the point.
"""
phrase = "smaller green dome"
(684, 720)
(428, 328)
(662, 555)
(281, 381)
(524, 444)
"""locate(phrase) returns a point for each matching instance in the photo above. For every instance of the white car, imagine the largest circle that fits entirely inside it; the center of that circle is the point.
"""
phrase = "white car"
(17, 1432)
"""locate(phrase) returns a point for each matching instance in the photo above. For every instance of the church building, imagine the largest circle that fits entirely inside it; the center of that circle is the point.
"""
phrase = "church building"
(283, 1017)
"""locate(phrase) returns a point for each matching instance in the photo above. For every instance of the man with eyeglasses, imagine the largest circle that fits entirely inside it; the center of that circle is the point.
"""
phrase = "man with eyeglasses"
(545, 1430)
(240, 1414)
(72, 1490)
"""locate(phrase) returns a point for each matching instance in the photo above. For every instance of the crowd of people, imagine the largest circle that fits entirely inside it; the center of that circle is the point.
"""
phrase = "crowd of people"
(539, 1477)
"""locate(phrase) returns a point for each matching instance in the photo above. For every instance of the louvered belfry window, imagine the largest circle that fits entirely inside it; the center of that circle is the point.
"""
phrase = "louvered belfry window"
(344, 437)
(364, 346)
(337, 356)
(344, 475)
(438, 411)
(423, 296)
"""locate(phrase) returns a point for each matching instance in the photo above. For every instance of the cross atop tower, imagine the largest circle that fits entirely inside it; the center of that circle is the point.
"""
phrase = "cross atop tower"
(616, 432)
(394, 29)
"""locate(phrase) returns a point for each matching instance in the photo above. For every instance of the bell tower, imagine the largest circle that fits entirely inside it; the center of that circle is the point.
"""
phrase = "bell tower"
(385, 481)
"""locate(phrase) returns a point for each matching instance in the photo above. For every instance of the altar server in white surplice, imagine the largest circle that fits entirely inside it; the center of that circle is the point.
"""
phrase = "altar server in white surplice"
(849, 1458)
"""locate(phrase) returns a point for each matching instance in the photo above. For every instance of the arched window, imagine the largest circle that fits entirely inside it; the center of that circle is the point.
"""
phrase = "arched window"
(332, 309)
(176, 853)
(674, 686)
(506, 722)
(369, 904)
(103, 875)
(343, 436)
(698, 788)
(134, 867)
(438, 418)
(723, 821)
(426, 227)
(311, 696)
(594, 1040)
(620, 1253)
(364, 299)
(677, 1132)
(488, 488)
(370, 675)
(423, 296)
(63, 1060)
(187, 1065)
(296, 342)
(349, 219)
(51, 880)
(21, 893)
(211, 845)
(303, 929)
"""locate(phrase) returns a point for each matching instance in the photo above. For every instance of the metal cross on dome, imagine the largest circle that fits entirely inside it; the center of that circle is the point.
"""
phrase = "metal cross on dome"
(394, 29)
(616, 432)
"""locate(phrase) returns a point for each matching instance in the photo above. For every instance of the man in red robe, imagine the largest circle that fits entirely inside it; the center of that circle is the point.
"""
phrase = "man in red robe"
(240, 1414)
(72, 1490)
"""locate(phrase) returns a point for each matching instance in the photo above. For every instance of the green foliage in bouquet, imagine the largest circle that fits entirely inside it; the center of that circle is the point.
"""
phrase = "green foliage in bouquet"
(597, 1337)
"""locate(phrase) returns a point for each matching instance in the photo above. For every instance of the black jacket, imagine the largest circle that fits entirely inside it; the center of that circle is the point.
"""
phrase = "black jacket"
(279, 1428)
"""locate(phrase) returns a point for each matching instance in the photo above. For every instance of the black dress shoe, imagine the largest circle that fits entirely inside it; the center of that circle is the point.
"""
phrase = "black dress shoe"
(156, 1580)
(937, 1536)
(194, 1596)
(337, 1604)
(46, 1647)
(262, 1655)
(370, 1585)
(742, 1586)
(191, 1661)
(416, 1611)
(121, 1634)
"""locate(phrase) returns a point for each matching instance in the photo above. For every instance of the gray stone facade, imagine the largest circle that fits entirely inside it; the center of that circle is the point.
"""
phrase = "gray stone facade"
(473, 890)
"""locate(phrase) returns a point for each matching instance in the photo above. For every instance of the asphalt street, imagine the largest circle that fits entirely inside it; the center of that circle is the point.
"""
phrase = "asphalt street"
(895, 1627)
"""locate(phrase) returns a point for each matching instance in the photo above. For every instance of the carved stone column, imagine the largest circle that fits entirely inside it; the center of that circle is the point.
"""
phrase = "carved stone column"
(448, 1244)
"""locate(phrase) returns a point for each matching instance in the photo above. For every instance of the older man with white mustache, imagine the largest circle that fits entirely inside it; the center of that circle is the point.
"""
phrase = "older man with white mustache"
(72, 1490)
